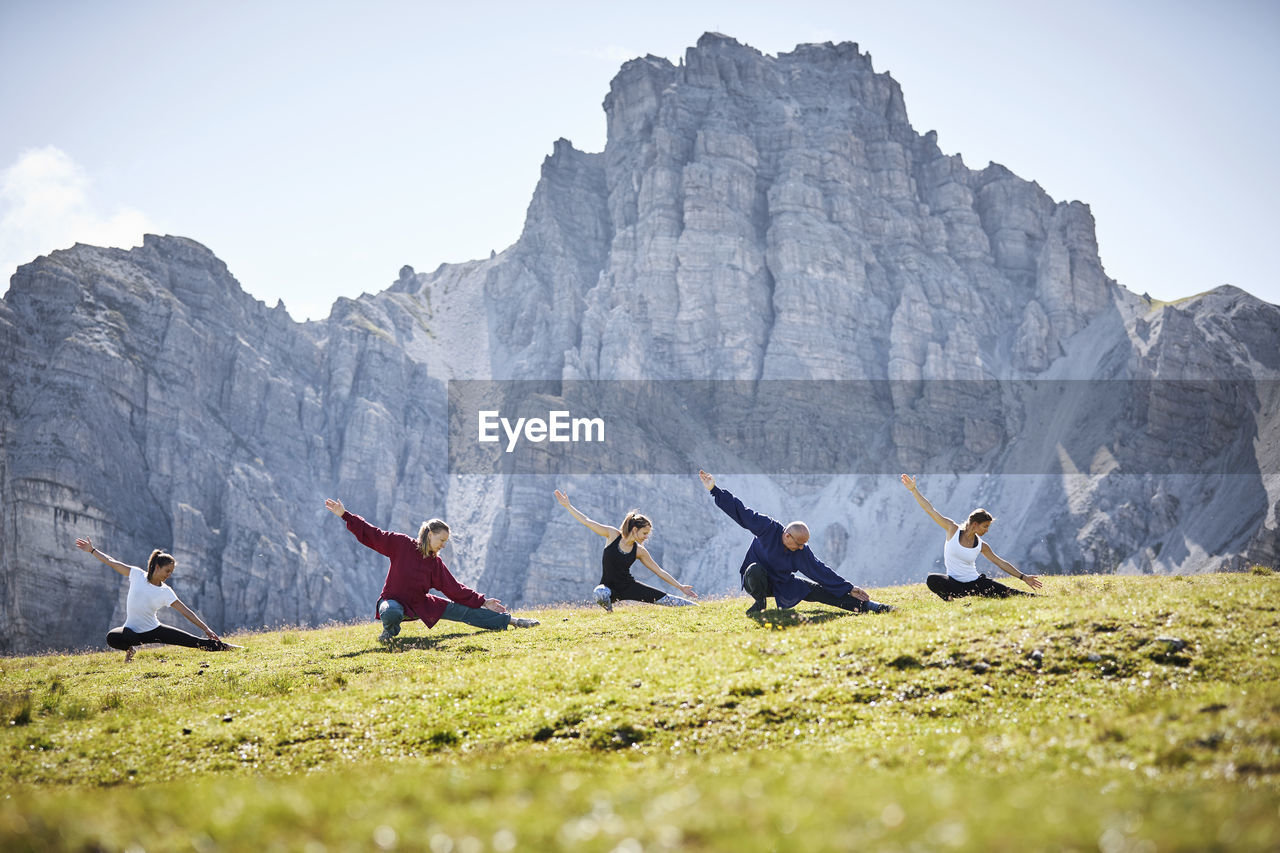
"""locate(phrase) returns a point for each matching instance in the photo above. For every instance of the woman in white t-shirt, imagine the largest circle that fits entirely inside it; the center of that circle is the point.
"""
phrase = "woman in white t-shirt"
(148, 595)
(960, 555)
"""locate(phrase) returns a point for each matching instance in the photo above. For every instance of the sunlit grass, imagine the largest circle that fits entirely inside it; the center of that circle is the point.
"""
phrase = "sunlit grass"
(1141, 707)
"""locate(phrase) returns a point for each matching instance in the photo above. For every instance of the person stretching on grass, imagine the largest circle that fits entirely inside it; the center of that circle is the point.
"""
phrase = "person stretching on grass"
(777, 553)
(148, 595)
(415, 570)
(624, 548)
(960, 555)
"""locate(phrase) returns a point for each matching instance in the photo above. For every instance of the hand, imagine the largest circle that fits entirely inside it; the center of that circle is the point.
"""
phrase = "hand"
(909, 482)
(707, 480)
(859, 593)
(85, 545)
(562, 498)
(687, 590)
(212, 636)
(334, 506)
(494, 604)
(1033, 581)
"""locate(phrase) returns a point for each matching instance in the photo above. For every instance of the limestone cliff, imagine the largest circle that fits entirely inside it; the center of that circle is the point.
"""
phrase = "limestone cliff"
(752, 218)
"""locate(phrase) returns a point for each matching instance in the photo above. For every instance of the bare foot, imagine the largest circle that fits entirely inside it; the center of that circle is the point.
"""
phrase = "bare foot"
(128, 656)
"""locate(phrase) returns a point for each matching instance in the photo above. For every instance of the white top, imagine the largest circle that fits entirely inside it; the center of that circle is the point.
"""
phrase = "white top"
(145, 601)
(961, 562)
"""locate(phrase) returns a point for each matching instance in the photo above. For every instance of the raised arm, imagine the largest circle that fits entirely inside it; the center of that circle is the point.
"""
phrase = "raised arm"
(642, 554)
(86, 545)
(1032, 581)
(942, 521)
(369, 536)
(595, 526)
(747, 518)
(195, 620)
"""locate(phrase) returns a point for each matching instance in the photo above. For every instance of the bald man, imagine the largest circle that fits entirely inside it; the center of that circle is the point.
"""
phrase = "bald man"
(775, 556)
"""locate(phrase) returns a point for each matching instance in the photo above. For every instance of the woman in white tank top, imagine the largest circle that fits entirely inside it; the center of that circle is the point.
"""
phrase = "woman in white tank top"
(960, 555)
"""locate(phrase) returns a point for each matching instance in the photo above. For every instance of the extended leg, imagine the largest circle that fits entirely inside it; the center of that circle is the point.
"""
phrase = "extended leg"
(636, 591)
(177, 637)
(985, 586)
(844, 602)
(480, 617)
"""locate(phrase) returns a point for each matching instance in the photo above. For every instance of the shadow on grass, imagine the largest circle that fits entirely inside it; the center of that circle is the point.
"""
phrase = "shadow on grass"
(779, 619)
(419, 642)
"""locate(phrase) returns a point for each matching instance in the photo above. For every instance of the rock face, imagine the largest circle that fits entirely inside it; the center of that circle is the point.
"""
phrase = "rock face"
(751, 218)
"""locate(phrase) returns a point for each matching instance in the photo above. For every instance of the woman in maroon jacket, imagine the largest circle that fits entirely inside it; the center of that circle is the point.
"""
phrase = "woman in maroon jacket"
(416, 569)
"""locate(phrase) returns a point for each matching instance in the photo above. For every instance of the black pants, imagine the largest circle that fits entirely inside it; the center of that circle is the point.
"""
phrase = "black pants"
(126, 638)
(755, 580)
(947, 587)
(630, 589)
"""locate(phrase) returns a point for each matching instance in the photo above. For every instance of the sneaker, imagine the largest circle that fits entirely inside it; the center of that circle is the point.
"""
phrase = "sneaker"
(757, 607)
(386, 637)
(522, 622)
(877, 607)
(602, 597)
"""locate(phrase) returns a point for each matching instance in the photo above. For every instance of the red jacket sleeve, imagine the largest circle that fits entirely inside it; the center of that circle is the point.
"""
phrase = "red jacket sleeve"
(370, 536)
(459, 592)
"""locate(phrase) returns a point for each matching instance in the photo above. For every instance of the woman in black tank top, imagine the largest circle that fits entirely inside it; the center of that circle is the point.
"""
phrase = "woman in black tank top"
(624, 547)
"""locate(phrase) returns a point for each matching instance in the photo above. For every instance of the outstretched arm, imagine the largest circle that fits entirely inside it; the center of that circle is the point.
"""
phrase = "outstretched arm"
(747, 518)
(86, 545)
(1032, 581)
(942, 521)
(444, 581)
(195, 620)
(369, 536)
(649, 563)
(595, 526)
(826, 577)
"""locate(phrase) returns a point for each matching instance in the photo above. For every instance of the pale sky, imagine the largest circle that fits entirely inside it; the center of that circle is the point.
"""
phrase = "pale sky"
(316, 147)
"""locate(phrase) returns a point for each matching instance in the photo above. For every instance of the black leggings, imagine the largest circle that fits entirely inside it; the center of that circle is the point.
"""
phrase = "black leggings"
(632, 590)
(755, 580)
(126, 638)
(948, 587)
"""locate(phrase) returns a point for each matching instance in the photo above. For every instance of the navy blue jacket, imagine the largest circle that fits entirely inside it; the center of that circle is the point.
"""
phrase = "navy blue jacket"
(780, 564)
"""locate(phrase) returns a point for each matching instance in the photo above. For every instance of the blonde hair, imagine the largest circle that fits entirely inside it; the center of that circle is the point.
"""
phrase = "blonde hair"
(431, 525)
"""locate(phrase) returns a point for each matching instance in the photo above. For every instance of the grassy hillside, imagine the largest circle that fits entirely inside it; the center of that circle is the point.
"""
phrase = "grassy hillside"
(1115, 714)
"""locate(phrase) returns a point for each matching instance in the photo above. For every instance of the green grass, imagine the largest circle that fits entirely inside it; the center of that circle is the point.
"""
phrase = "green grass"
(1064, 722)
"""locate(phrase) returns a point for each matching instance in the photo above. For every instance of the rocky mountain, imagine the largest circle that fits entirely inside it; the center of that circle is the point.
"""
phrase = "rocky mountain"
(810, 295)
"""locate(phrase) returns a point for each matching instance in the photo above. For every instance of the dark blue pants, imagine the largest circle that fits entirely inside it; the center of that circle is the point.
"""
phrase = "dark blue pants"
(755, 580)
